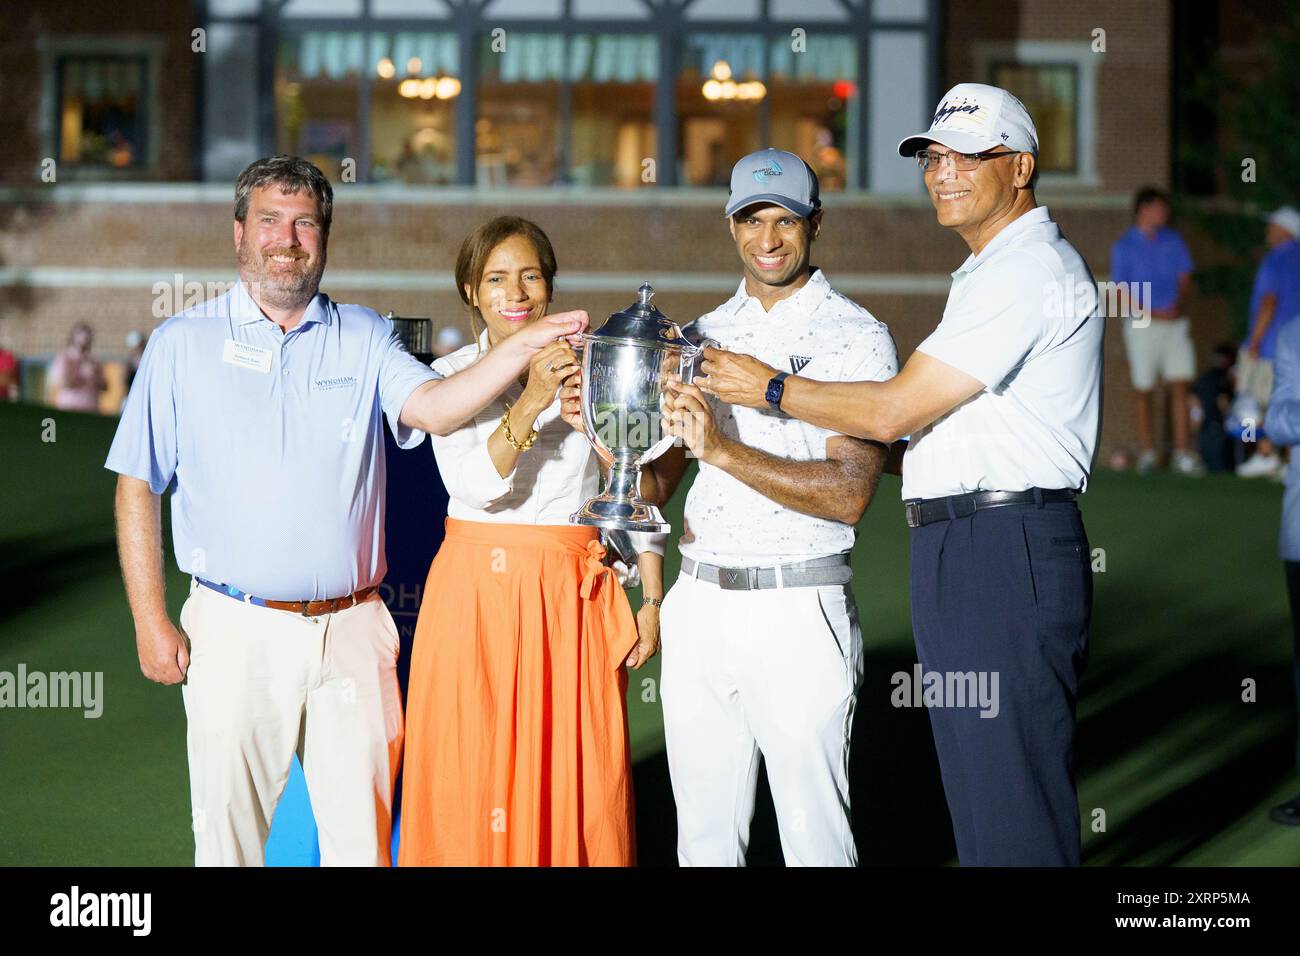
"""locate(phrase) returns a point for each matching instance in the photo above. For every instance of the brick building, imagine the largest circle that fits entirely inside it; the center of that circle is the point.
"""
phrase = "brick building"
(612, 123)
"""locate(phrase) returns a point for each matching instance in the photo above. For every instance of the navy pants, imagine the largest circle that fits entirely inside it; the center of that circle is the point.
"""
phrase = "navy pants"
(1007, 592)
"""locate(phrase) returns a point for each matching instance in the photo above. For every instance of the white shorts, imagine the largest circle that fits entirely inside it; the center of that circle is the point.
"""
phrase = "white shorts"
(1160, 351)
(772, 672)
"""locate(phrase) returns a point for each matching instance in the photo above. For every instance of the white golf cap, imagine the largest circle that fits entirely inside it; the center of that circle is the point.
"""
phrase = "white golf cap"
(1288, 218)
(972, 118)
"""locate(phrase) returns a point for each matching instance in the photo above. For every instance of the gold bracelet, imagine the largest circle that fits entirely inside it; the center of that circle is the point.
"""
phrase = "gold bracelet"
(526, 444)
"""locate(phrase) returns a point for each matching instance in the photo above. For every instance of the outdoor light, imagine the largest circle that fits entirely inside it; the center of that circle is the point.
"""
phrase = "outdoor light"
(409, 88)
(447, 88)
(414, 65)
(428, 87)
(386, 69)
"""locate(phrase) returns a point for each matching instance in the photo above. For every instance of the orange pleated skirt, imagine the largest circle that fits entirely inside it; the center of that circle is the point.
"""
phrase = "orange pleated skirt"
(516, 719)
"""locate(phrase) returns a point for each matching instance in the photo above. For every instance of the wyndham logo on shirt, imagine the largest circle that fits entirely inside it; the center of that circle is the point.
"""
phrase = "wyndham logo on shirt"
(762, 175)
(333, 384)
(799, 362)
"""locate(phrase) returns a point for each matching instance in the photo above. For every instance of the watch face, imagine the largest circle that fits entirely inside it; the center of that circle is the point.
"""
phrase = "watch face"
(775, 389)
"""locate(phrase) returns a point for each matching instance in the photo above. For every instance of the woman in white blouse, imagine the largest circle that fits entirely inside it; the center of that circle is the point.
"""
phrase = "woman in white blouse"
(516, 728)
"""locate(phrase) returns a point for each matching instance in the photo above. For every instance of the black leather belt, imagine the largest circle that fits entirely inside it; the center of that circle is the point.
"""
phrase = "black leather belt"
(922, 511)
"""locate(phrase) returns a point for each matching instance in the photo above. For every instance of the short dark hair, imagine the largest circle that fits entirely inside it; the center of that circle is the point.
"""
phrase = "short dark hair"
(292, 174)
(478, 246)
(1150, 194)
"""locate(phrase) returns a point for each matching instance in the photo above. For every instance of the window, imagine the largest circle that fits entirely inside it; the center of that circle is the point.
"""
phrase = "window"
(316, 94)
(1057, 83)
(719, 92)
(1050, 92)
(555, 109)
(814, 102)
(408, 84)
(101, 110)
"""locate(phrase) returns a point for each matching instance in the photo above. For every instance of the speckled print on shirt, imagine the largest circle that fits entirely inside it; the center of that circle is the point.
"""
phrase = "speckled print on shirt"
(729, 523)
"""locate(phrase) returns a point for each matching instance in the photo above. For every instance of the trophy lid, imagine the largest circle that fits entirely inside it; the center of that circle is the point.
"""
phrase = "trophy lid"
(641, 322)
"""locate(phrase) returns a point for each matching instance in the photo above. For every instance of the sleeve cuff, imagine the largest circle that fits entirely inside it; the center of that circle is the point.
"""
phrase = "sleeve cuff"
(644, 541)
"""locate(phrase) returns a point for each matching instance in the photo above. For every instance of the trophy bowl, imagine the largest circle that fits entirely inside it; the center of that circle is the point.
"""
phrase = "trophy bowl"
(624, 367)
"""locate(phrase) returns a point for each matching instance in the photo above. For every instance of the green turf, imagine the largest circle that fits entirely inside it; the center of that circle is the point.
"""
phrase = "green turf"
(1191, 604)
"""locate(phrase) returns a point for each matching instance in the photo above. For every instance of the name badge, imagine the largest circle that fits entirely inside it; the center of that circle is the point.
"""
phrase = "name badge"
(246, 356)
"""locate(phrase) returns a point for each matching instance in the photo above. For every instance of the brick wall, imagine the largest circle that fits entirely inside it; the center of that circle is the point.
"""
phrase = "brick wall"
(168, 22)
(1133, 94)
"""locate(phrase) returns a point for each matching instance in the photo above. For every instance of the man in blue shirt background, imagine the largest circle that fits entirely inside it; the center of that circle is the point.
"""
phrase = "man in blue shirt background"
(1153, 270)
(261, 411)
(1274, 302)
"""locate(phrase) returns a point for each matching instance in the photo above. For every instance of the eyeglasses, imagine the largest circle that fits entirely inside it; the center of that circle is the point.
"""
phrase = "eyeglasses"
(928, 159)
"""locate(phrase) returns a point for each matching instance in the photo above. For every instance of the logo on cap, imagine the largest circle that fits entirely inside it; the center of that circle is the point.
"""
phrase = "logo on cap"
(944, 111)
(763, 174)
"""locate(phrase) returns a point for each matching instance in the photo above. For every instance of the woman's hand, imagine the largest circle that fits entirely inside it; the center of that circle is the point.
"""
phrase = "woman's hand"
(647, 629)
(571, 400)
(546, 372)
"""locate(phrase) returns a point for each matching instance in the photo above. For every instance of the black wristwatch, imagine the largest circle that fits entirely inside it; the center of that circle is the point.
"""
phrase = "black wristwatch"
(775, 389)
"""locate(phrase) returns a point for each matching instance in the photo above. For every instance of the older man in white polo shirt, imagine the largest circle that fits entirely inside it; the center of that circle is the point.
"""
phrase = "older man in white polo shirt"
(762, 650)
(1002, 402)
(261, 411)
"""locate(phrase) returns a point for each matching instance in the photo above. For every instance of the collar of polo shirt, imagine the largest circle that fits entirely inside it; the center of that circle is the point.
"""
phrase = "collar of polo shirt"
(246, 311)
(817, 279)
(1009, 232)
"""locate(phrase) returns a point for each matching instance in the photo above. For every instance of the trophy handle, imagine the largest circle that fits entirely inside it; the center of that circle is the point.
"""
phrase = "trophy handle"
(691, 357)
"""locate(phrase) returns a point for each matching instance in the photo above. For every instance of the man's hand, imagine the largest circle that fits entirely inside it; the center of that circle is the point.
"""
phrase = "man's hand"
(735, 379)
(164, 652)
(535, 336)
(689, 417)
(647, 629)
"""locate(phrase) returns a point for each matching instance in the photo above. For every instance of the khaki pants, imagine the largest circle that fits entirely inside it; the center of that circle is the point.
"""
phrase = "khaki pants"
(264, 684)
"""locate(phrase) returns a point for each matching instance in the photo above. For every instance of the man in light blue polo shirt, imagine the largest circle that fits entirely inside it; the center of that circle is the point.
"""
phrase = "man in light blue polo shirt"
(1153, 268)
(261, 412)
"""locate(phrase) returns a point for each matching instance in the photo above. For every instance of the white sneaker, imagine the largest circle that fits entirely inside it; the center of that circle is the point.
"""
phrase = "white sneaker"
(1185, 463)
(1147, 462)
(1260, 466)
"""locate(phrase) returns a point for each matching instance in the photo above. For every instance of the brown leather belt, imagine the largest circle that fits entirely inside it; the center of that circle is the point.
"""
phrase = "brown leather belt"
(305, 608)
(317, 608)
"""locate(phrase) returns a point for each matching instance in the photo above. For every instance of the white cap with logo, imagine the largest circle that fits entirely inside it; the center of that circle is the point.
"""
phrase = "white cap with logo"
(972, 118)
(1287, 218)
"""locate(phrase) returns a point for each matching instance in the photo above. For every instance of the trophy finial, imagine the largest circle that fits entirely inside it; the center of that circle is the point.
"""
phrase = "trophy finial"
(646, 293)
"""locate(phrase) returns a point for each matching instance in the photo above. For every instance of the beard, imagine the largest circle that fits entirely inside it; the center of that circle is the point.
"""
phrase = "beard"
(280, 286)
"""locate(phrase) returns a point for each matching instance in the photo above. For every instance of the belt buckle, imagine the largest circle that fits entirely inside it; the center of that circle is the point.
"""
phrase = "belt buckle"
(912, 509)
(736, 579)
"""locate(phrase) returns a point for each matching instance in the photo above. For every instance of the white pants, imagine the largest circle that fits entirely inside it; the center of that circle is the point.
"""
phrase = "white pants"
(264, 684)
(772, 672)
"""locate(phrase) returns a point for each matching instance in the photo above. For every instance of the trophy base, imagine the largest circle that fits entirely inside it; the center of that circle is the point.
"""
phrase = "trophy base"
(625, 514)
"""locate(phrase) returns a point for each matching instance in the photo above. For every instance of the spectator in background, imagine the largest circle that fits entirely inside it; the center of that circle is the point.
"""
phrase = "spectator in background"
(1152, 252)
(450, 338)
(76, 376)
(8, 376)
(1274, 302)
(134, 353)
(1210, 400)
(1283, 423)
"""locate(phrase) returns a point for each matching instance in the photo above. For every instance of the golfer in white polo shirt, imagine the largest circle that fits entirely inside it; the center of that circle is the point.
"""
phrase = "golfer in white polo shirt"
(1002, 403)
(762, 652)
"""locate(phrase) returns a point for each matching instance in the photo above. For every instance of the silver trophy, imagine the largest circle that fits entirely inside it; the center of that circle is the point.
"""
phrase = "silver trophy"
(624, 365)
